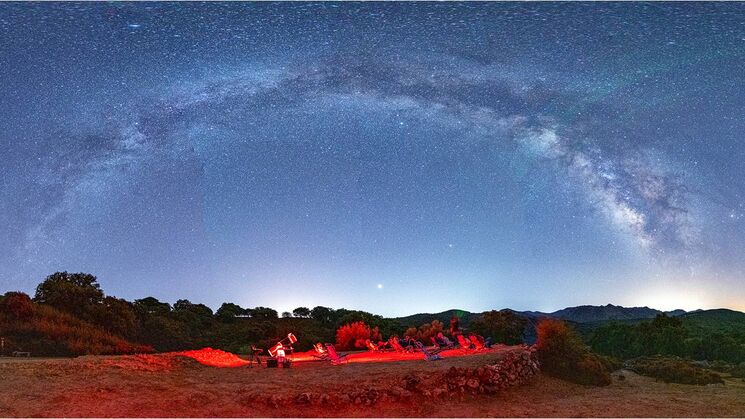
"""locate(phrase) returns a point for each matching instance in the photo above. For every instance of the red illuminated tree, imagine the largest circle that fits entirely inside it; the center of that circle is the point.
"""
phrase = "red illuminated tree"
(17, 304)
(354, 335)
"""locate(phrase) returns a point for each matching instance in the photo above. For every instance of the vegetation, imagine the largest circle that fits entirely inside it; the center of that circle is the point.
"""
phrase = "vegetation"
(71, 315)
(43, 329)
(503, 326)
(675, 370)
(426, 332)
(354, 335)
(563, 354)
(695, 337)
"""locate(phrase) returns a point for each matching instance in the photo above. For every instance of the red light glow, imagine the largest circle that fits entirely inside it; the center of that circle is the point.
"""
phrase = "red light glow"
(221, 359)
(215, 358)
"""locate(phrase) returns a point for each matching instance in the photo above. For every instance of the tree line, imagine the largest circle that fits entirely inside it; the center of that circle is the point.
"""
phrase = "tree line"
(75, 301)
(665, 335)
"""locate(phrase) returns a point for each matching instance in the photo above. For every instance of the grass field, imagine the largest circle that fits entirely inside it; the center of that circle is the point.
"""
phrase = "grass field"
(167, 385)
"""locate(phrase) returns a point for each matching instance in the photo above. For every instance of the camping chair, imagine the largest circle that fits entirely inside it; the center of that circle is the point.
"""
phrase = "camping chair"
(444, 342)
(371, 346)
(477, 345)
(321, 352)
(384, 346)
(464, 343)
(439, 342)
(335, 358)
(428, 355)
(396, 344)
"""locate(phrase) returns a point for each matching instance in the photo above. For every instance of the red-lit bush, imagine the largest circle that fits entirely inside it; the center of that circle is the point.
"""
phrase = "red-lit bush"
(426, 332)
(563, 354)
(17, 304)
(354, 335)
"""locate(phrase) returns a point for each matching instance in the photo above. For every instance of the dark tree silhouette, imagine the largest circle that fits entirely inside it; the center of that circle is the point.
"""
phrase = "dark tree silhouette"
(151, 305)
(76, 293)
(502, 326)
(301, 312)
(229, 311)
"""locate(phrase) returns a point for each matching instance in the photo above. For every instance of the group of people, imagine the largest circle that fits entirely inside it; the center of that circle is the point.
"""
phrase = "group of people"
(409, 344)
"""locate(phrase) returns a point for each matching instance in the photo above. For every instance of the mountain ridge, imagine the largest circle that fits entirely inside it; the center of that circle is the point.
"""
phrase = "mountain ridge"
(577, 314)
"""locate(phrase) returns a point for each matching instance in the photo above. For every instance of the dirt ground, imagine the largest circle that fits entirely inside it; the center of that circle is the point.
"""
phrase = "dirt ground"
(168, 386)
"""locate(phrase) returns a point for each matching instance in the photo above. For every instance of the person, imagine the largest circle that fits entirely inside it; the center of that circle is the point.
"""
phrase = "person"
(253, 355)
(454, 326)
(280, 353)
(407, 343)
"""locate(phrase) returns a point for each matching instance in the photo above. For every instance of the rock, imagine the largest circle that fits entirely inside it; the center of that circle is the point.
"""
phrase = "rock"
(491, 389)
(411, 381)
(372, 394)
(303, 398)
(273, 401)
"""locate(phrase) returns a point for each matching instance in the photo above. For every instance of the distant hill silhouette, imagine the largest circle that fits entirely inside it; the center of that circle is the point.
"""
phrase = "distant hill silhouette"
(464, 316)
(719, 320)
(586, 314)
(587, 318)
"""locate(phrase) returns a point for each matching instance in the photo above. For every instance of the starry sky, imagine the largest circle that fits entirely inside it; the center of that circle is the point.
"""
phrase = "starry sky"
(390, 157)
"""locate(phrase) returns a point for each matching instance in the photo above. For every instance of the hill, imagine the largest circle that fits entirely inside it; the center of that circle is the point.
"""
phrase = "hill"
(41, 329)
(587, 313)
(720, 320)
(588, 316)
(465, 318)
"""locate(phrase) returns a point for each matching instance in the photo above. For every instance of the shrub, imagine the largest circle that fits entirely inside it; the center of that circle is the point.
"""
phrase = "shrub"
(562, 354)
(502, 326)
(674, 370)
(353, 335)
(426, 332)
(17, 304)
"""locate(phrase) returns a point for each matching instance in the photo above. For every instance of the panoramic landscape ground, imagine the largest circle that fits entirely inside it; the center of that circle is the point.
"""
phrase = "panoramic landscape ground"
(167, 385)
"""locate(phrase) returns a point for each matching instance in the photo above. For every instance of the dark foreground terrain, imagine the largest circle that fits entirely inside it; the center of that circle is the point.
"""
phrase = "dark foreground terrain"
(168, 385)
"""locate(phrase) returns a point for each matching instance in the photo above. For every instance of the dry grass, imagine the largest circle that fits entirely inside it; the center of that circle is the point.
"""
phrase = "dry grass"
(166, 385)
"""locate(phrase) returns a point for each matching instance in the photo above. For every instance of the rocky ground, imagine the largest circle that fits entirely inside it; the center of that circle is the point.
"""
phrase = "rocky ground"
(497, 383)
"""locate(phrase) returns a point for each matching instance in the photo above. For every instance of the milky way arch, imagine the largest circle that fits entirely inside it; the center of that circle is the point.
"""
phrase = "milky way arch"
(635, 191)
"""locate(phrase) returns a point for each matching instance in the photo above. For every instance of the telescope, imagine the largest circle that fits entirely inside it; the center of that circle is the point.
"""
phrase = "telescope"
(283, 345)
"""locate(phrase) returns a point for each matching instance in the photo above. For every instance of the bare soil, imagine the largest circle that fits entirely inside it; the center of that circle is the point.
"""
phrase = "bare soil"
(167, 386)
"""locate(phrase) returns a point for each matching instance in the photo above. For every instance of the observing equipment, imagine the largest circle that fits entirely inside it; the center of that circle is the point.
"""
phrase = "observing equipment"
(283, 346)
(279, 350)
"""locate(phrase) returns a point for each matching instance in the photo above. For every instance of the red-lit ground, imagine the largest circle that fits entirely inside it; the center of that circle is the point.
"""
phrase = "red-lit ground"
(215, 358)
(221, 359)
(167, 385)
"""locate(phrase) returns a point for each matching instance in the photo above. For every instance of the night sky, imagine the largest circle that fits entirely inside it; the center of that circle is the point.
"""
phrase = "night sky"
(395, 158)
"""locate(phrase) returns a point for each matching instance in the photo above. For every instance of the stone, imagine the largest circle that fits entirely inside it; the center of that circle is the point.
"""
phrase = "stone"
(303, 398)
